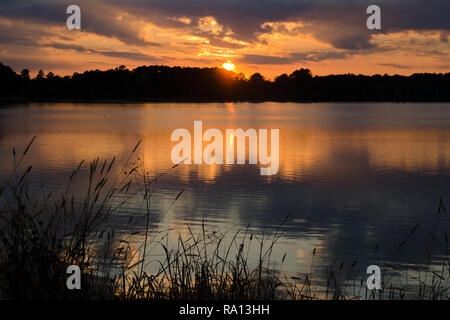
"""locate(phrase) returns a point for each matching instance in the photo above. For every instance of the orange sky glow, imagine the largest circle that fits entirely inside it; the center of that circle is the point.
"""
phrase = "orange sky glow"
(275, 46)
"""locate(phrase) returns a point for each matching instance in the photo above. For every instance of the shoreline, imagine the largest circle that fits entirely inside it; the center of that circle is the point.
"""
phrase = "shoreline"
(17, 100)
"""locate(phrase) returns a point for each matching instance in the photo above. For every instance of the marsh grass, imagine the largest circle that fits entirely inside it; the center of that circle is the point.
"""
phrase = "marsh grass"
(430, 281)
(203, 267)
(41, 234)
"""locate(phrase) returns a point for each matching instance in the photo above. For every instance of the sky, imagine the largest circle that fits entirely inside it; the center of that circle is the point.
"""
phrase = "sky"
(267, 36)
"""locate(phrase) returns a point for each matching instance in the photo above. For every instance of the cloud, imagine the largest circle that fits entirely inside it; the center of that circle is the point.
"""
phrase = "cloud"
(127, 54)
(21, 33)
(97, 17)
(319, 56)
(342, 24)
(310, 56)
(395, 65)
(262, 59)
(339, 23)
(64, 46)
(34, 63)
(226, 28)
(111, 53)
(293, 58)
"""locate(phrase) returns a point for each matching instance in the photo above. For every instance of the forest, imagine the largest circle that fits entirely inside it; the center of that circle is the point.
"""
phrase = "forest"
(164, 83)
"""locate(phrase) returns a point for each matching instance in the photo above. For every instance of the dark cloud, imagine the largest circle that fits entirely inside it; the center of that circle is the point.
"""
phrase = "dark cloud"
(21, 34)
(262, 59)
(78, 48)
(244, 18)
(339, 23)
(312, 56)
(395, 65)
(127, 55)
(293, 58)
(97, 17)
(34, 10)
(64, 46)
(110, 53)
(319, 56)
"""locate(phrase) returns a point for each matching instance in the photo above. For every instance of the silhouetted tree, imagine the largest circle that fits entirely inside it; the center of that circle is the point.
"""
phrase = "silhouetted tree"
(301, 75)
(25, 74)
(163, 83)
(256, 78)
(40, 75)
(9, 81)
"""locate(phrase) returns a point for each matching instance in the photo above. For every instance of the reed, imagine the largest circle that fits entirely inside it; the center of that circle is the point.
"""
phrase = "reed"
(42, 233)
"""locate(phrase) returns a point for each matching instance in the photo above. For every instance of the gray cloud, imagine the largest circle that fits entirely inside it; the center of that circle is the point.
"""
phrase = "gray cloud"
(97, 17)
(293, 58)
(312, 56)
(262, 59)
(111, 53)
(63, 46)
(339, 23)
(21, 34)
(395, 65)
(127, 55)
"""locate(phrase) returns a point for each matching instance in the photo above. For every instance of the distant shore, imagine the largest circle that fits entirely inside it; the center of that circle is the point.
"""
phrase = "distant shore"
(19, 100)
(179, 84)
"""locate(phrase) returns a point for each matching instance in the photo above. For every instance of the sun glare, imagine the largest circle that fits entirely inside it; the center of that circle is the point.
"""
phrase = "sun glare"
(228, 66)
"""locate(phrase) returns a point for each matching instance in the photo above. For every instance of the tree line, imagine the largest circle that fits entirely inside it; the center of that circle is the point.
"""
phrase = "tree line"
(164, 83)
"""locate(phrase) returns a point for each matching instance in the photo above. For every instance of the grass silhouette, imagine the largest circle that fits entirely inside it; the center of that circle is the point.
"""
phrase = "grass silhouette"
(41, 234)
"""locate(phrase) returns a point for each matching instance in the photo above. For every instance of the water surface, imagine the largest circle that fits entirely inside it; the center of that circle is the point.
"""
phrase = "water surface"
(352, 176)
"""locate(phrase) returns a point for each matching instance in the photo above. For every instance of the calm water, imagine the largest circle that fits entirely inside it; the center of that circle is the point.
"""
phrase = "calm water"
(353, 176)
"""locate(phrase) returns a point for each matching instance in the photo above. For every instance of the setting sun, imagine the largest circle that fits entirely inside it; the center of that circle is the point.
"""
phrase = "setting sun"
(228, 66)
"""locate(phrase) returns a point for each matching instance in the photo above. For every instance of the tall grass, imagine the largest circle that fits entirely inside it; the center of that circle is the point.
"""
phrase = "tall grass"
(42, 233)
(348, 282)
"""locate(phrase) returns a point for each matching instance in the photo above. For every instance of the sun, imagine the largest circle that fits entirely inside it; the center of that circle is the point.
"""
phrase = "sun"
(228, 66)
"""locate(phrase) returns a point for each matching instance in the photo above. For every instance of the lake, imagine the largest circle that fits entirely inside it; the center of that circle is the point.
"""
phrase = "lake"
(353, 179)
